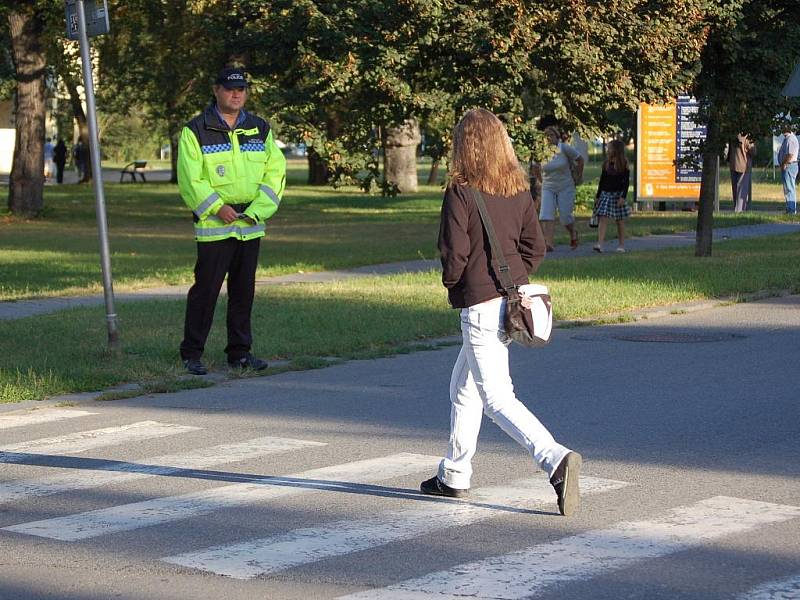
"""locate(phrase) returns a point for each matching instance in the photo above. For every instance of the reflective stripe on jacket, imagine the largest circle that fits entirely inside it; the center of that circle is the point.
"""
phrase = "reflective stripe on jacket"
(218, 165)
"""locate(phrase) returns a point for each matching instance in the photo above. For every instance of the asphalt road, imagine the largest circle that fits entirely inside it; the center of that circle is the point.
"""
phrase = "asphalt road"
(302, 485)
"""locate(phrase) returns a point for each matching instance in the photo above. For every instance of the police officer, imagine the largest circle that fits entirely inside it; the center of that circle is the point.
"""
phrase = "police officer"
(231, 174)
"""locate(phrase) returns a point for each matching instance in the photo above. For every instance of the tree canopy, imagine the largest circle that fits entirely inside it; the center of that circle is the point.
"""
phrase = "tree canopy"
(341, 72)
(343, 76)
(748, 56)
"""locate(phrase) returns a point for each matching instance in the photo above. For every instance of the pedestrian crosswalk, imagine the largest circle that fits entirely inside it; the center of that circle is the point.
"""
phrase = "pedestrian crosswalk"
(509, 577)
(258, 557)
(83, 441)
(108, 472)
(787, 588)
(251, 490)
(40, 416)
(53, 465)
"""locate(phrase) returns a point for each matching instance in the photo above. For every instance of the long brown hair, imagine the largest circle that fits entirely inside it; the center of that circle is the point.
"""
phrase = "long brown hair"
(483, 157)
(615, 157)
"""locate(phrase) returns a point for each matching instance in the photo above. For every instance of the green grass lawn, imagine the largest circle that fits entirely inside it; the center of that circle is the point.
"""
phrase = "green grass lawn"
(317, 228)
(308, 323)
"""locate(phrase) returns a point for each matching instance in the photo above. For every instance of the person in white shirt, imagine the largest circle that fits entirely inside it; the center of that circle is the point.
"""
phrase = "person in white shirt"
(558, 188)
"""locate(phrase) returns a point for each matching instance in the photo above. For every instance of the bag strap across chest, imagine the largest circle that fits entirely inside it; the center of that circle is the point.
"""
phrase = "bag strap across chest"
(499, 263)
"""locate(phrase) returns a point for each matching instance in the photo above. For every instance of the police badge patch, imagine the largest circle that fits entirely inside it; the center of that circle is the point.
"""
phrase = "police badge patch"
(221, 170)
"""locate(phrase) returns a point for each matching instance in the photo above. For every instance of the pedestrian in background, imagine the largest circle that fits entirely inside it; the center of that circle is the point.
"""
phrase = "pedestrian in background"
(558, 188)
(740, 161)
(231, 174)
(78, 156)
(610, 202)
(49, 165)
(483, 159)
(787, 159)
(60, 159)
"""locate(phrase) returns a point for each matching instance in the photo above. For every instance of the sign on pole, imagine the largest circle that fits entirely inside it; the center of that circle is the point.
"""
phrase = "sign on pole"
(96, 18)
(666, 135)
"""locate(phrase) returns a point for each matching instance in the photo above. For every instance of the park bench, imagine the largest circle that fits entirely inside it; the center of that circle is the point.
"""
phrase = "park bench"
(132, 169)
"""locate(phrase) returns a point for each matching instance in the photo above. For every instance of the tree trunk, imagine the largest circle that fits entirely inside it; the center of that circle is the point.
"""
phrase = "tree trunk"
(433, 176)
(317, 169)
(400, 155)
(26, 183)
(80, 121)
(705, 212)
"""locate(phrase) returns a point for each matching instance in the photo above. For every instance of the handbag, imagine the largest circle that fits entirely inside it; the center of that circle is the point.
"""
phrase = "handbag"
(574, 170)
(530, 327)
(594, 221)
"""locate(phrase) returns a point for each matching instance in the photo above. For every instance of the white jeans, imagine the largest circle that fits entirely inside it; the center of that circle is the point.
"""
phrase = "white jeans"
(480, 383)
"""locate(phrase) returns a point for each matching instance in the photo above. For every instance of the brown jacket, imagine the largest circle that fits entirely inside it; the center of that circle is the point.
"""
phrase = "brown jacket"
(740, 151)
(465, 249)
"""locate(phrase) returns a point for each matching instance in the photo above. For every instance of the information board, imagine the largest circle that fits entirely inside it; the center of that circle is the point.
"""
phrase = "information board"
(666, 135)
(96, 18)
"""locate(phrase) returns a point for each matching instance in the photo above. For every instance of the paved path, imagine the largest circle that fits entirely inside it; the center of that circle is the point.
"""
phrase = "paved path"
(27, 308)
(109, 176)
(303, 485)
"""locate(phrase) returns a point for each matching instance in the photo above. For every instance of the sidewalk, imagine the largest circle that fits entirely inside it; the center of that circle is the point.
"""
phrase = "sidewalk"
(27, 308)
(109, 176)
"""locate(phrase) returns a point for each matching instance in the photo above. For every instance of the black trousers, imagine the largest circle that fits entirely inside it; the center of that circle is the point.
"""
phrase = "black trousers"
(215, 260)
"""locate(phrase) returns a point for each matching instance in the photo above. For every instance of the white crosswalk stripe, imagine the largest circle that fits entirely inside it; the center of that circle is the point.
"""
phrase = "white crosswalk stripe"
(781, 589)
(107, 472)
(522, 574)
(132, 516)
(36, 417)
(256, 557)
(83, 441)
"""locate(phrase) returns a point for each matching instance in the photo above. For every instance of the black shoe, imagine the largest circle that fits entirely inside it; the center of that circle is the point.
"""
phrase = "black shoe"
(565, 482)
(248, 361)
(195, 366)
(435, 487)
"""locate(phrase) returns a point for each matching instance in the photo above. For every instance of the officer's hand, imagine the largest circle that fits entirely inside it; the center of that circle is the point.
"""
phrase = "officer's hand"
(227, 214)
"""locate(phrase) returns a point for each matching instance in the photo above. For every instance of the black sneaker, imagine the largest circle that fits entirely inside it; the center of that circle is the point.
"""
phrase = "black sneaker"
(435, 487)
(195, 366)
(565, 482)
(248, 361)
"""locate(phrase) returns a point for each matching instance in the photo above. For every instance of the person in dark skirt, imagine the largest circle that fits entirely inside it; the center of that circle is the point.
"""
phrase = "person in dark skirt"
(610, 200)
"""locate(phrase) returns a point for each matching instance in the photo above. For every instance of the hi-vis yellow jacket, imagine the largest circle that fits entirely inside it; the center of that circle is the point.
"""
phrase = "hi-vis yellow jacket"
(242, 167)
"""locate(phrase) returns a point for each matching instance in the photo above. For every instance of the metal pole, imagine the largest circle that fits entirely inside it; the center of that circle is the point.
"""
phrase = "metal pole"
(716, 187)
(97, 180)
